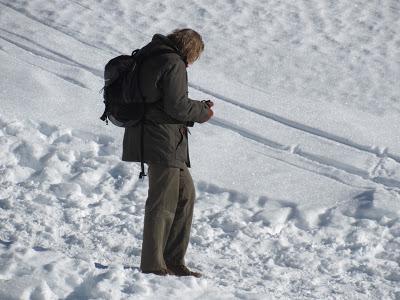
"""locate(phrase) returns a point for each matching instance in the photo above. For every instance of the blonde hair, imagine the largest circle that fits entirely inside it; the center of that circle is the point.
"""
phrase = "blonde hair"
(189, 43)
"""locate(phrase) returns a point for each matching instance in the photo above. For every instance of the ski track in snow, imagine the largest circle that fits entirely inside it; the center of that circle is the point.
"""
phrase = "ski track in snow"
(302, 127)
(381, 152)
(67, 201)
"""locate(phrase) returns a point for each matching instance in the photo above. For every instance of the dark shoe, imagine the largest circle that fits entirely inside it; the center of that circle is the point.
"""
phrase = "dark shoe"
(161, 272)
(182, 270)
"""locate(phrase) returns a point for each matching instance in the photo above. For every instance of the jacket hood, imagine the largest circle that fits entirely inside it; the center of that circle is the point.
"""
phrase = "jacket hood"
(160, 42)
(162, 39)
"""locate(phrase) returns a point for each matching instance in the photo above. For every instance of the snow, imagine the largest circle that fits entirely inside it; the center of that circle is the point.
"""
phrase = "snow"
(297, 175)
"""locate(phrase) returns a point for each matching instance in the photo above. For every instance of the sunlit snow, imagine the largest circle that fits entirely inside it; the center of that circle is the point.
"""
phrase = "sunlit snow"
(297, 175)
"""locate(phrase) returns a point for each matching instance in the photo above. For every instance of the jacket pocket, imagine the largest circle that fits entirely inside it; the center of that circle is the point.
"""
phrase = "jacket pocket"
(179, 137)
(181, 145)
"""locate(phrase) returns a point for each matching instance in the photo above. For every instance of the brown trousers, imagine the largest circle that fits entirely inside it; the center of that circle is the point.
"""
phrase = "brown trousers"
(168, 217)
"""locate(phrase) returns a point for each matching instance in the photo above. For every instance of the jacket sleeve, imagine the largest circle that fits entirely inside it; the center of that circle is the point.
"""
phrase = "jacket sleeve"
(176, 101)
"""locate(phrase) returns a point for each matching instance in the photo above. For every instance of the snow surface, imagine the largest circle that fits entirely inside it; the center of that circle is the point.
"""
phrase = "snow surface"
(297, 175)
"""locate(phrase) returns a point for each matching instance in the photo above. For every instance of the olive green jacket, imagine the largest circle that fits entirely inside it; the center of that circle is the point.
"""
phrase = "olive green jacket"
(164, 83)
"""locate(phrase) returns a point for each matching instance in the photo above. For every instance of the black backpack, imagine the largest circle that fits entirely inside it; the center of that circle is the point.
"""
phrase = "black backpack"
(125, 105)
(122, 95)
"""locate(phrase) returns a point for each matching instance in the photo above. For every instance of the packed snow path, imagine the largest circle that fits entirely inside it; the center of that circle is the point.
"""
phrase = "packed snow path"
(297, 176)
(67, 202)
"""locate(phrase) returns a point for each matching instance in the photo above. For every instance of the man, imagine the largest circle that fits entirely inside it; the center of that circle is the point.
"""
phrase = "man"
(169, 206)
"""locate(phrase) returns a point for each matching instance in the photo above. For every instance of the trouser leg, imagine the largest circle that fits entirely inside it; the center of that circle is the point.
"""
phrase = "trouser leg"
(178, 239)
(159, 215)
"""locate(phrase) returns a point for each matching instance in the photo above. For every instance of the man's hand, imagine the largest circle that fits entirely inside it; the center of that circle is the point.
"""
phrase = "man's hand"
(210, 113)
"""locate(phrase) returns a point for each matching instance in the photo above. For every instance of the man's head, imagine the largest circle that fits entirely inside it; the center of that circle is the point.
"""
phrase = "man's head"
(189, 42)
